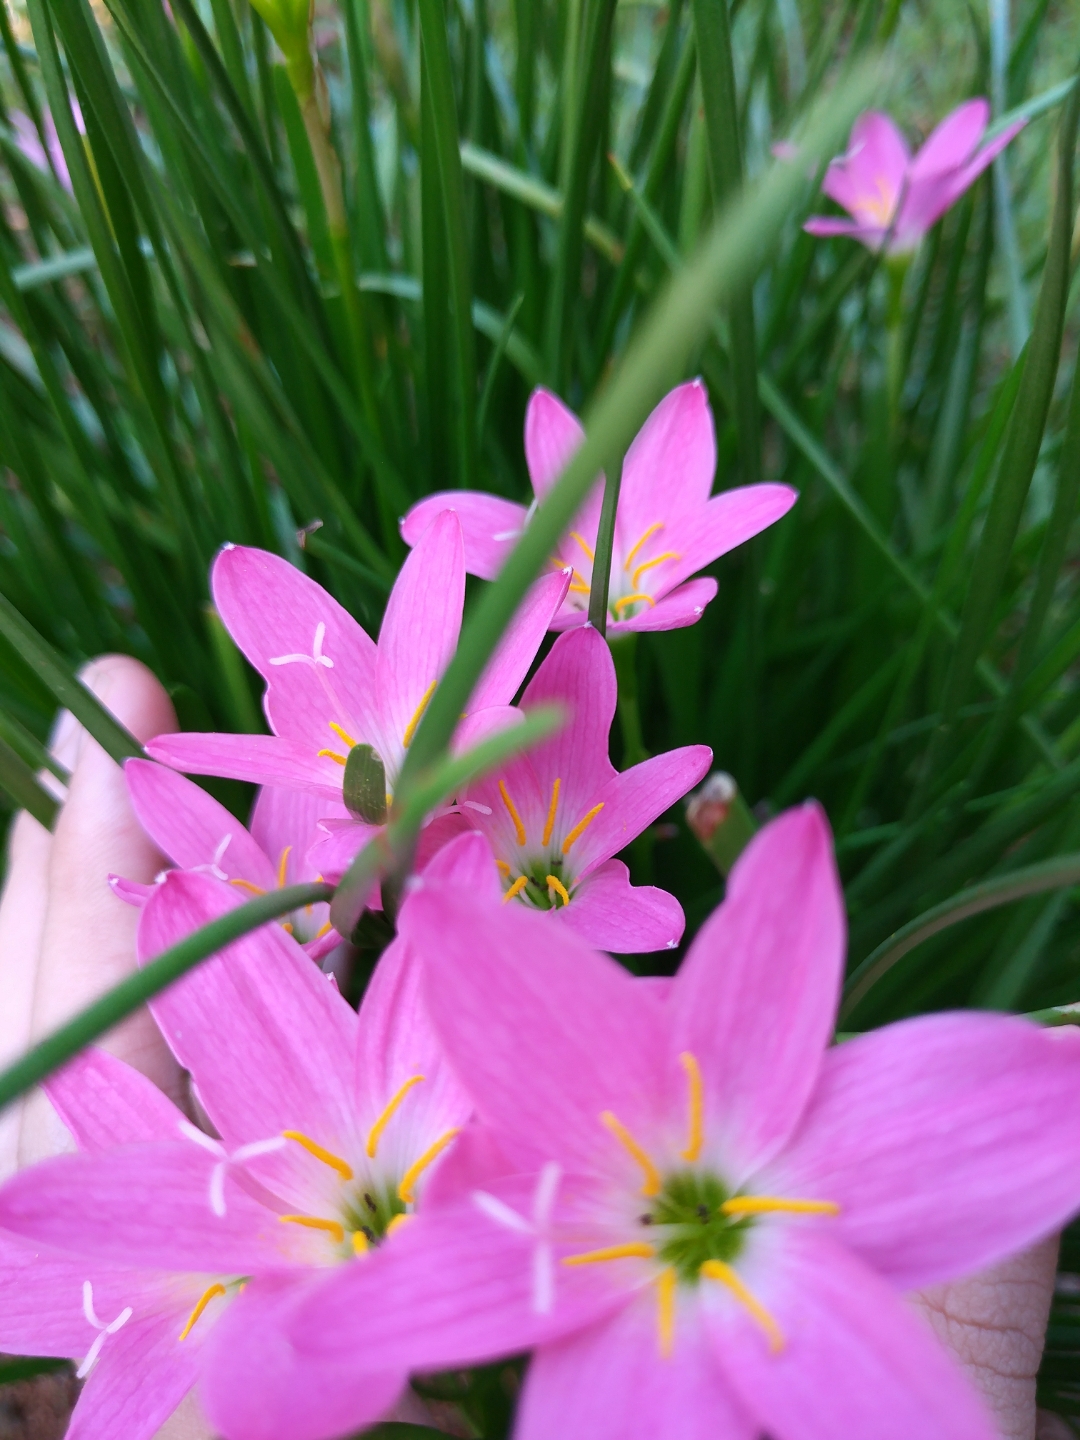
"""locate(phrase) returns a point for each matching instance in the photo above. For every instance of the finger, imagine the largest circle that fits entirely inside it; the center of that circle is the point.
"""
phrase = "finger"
(88, 942)
(995, 1325)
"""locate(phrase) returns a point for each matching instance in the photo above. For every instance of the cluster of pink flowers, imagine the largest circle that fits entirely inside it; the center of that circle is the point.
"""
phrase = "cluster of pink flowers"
(696, 1213)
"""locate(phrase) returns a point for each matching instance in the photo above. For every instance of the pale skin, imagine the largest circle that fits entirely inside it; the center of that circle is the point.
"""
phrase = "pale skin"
(65, 938)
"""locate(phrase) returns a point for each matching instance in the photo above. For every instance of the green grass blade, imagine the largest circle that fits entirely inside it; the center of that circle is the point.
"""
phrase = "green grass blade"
(21, 785)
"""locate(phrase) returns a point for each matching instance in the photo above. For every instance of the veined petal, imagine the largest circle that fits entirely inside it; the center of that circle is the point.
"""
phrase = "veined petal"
(634, 799)
(949, 1142)
(756, 997)
(336, 845)
(544, 1033)
(725, 522)
(521, 640)
(490, 526)
(552, 434)
(287, 820)
(578, 674)
(138, 1380)
(262, 759)
(668, 471)
(857, 1361)
(680, 607)
(41, 1290)
(609, 913)
(105, 1103)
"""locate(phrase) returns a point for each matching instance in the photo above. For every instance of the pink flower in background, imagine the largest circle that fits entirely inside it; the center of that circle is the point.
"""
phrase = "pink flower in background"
(196, 833)
(701, 1213)
(666, 527)
(29, 142)
(556, 816)
(331, 689)
(328, 1125)
(893, 197)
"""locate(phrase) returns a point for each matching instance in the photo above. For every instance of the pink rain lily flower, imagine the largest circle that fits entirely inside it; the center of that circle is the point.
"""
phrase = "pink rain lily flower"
(343, 709)
(894, 197)
(705, 1216)
(196, 833)
(556, 816)
(328, 1125)
(666, 527)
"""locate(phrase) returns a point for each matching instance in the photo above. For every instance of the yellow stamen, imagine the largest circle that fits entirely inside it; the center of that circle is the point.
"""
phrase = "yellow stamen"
(648, 565)
(387, 1115)
(519, 828)
(281, 864)
(359, 1242)
(555, 884)
(315, 1222)
(580, 828)
(637, 1250)
(503, 868)
(287, 926)
(625, 600)
(418, 714)
(769, 1204)
(581, 541)
(331, 755)
(549, 824)
(247, 885)
(665, 1295)
(693, 1075)
(718, 1270)
(321, 1153)
(516, 888)
(341, 733)
(396, 1223)
(618, 1129)
(324, 930)
(417, 1168)
(579, 587)
(628, 563)
(200, 1305)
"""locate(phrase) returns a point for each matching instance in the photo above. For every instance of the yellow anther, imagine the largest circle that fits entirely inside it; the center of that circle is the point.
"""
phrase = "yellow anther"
(693, 1075)
(503, 868)
(323, 930)
(718, 1270)
(281, 864)
(418, 714)
(771, 1204)
(580, 828)
(665, 1295)
(554, 883)
(321, 1153)
(247, 885)
(584, 544)
(315, 1222)
(625, 600)
(648, 565)
(396, 1223)
(200, 1305)
(417, 1168)
(549, 823)
(516, 888)
(359, 1242)
(287, 926)
(519, 828)
(375, 1134)
(628, 563)
(341, 733)
(652, 1183)
(331, 755)
(637, 1250)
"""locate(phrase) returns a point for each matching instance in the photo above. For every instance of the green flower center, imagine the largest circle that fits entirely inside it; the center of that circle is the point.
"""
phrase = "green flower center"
(369, 1210)
(687, 1226)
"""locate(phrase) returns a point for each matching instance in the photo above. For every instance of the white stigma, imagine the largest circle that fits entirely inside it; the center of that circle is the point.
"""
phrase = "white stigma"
(104, 1330)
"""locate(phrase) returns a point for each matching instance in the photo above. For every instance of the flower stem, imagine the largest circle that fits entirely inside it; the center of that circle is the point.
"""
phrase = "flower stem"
(624, 653)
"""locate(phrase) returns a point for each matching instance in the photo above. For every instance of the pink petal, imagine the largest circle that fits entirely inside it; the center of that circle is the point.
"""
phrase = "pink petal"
(952, 143)
(490, 526)
(272, 611)
(756, 997)
(262, 759)
(874, 167)
(267, 1037)
(682, 606)
(552, 434)
(825, 226)
(634, 799)
(131, 892)
(727, 521)
(466, 862)
(189, 825)
(517, 649)
(544, 1033)
(41, 1294)
(931, 200)
(148, 1205)
(948, 1141)
(289, 819)
(423, 618)
(856, 1360)
(139, 1379)
(668, 471)
(609, 1382)
(336, 846)
(105, 1103)
(579, 675)
(609, 913)
(255, 1384)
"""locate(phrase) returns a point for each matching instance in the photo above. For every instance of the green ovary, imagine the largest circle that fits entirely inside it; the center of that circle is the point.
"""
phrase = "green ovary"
(687, 1227)
(370, 1210)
